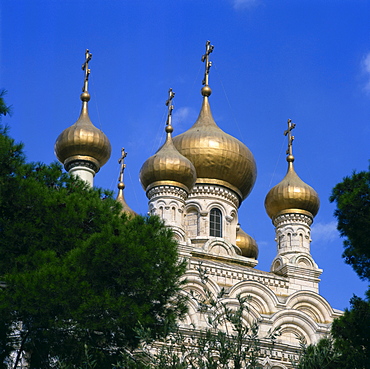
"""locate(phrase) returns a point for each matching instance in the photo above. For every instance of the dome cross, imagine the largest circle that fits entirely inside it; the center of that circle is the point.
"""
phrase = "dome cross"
(123, 165)
(288, 133)
(208, 64)
(85, 67)
(171, 95)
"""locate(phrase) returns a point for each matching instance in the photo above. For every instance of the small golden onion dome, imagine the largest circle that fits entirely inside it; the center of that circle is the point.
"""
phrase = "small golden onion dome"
(83, 141)
(121, 186)
(292, 195)
(247, 244)
(168, 167)
(218, 157)
(121, 199)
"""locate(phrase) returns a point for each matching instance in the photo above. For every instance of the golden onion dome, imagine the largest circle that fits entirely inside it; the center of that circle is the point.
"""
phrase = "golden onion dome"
(121, 186)
(83, 141)
(292, 195)
(167, 166)
(217, 157)
(247, 244)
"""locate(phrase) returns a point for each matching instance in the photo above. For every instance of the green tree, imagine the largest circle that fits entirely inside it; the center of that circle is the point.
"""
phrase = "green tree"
(322, 355)
(352, 334)
(351, 331)
(4, 109)
(352, 198)
(77, 273)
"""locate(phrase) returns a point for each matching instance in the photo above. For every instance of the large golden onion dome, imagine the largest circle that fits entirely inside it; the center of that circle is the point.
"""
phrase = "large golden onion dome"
(247, 244)
(292, 195)
(167, 166)
(83, 141)
(218, 157)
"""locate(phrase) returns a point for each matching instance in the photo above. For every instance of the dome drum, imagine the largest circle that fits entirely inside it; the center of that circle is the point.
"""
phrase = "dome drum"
(80, 160)
(167, 183)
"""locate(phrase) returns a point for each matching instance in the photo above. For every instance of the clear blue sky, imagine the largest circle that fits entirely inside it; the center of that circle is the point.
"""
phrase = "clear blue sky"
(307, 60)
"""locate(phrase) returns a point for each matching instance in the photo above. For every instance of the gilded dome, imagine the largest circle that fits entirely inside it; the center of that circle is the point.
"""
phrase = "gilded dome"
(247, 244)
(168, 166)
(292, 195)
(83, 141)
(217, 157)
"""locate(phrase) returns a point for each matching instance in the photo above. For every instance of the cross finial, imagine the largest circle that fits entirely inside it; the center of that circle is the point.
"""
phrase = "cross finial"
(123, 165)
(171, 95)
(208, 64)
(85, 67)
(288, 133)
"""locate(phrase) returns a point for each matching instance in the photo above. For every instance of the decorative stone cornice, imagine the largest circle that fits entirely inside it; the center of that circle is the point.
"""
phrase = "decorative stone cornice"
(81, 163)
(289, 218)
(294, 271)
(215, 190)
(232, 274)
(166, 190)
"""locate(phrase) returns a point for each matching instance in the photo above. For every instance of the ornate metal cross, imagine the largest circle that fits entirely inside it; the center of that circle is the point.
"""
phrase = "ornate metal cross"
(288, 133)
(121, 161)
(85, 67)
(171, 95)
(208, 64)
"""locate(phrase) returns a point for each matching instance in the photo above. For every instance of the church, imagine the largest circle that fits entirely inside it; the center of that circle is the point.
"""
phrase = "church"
(196, 182)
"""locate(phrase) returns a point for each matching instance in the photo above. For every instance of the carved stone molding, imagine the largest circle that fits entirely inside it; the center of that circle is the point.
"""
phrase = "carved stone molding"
(214, 190)
(82, 163)
(289, 218)
(160, 191)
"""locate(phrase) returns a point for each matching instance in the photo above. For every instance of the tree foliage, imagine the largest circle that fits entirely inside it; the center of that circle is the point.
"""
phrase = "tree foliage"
(352, 334)
(4, 109)
(322, 355)
(352, 198)
(76, 272)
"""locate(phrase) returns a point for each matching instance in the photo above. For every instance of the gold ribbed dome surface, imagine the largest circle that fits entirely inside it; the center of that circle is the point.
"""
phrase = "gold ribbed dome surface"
(247, 244)
(292, 195)
(83, 141)
(218, 157)
(168, 166)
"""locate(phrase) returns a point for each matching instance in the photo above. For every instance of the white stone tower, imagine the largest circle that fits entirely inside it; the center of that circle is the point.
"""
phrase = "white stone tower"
(292, 205)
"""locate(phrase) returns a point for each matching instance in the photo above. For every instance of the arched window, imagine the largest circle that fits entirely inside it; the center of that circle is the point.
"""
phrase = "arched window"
(215, 223)
(301, 239)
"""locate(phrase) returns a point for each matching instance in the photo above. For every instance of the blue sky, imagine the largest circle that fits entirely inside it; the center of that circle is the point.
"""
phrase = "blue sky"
(307, 60)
